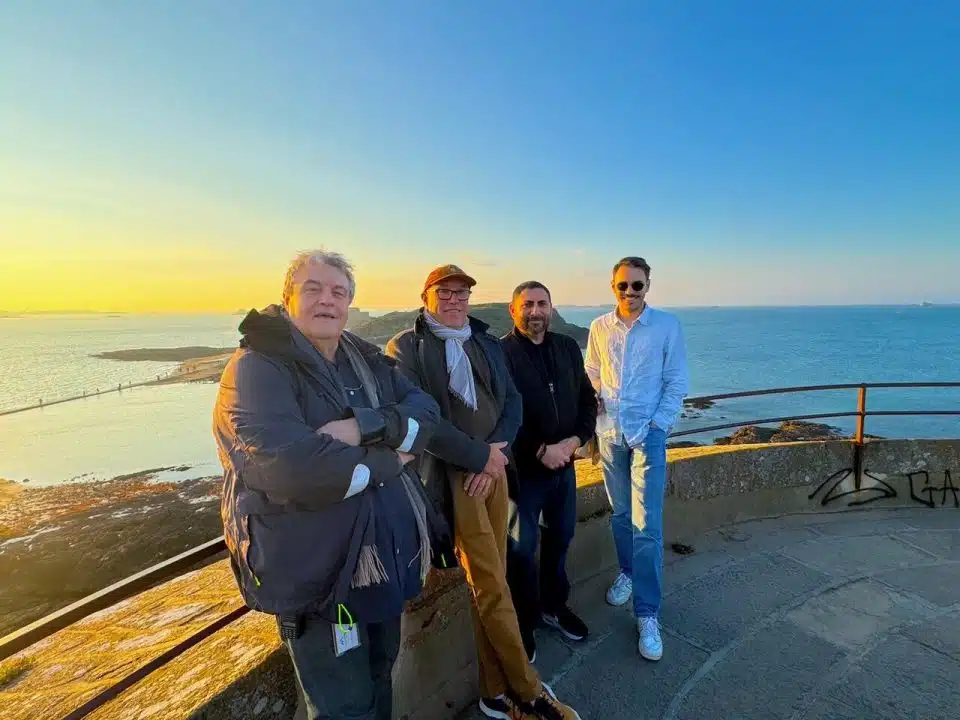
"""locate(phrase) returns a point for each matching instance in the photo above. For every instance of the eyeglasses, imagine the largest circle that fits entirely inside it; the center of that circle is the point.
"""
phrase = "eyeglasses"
(447, 293)
(636, 286)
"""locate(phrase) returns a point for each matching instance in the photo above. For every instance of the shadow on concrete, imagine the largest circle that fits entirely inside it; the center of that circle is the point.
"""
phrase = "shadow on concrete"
(268, 691)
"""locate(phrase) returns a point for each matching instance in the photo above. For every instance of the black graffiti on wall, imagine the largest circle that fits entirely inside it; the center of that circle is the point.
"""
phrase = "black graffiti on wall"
(927, 493)
(861, 493)
(867, 488)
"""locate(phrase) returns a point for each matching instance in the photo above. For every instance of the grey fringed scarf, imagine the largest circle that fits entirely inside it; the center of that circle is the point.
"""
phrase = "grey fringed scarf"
(370, 570)
(458, 364)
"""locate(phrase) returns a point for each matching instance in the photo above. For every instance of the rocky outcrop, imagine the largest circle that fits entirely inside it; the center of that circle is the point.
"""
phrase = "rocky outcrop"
(61, 543)
(786, 432)
(792, 431)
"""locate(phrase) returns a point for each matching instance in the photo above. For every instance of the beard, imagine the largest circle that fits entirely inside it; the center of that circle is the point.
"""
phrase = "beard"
(534, 325)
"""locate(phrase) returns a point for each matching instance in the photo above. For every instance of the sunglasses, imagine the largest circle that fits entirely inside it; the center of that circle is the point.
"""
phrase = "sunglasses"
(636, 286)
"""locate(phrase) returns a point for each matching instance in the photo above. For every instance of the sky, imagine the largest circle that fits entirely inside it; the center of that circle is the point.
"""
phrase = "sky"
(173, 156)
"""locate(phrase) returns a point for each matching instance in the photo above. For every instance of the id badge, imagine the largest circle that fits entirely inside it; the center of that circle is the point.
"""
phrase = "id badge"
(345, 638)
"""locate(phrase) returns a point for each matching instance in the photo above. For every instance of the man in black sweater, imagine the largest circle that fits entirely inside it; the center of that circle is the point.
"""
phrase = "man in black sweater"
(559, 416)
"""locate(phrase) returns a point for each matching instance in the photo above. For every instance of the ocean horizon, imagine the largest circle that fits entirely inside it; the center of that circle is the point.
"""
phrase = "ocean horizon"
(730, 349)
(375, 310)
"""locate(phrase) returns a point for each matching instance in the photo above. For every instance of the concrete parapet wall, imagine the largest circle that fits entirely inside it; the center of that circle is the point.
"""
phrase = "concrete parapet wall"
(713, 486)
(243, 672)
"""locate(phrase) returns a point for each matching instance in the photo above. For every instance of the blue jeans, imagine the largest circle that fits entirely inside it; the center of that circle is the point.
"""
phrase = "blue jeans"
(635, 479)
(546, 589)
(356, 685)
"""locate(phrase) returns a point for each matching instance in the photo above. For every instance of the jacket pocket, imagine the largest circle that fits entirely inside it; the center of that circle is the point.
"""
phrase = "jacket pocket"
(298, 557)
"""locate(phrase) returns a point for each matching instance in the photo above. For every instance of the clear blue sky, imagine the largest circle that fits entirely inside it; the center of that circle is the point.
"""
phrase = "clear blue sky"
(755, 152)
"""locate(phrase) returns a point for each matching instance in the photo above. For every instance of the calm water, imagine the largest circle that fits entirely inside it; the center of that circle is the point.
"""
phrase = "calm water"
(51, 356)
(729, 349)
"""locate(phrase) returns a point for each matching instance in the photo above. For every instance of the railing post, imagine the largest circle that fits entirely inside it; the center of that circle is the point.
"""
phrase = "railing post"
(861, 413)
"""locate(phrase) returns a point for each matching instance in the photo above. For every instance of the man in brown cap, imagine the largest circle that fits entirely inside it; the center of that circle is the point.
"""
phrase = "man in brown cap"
(453, 357)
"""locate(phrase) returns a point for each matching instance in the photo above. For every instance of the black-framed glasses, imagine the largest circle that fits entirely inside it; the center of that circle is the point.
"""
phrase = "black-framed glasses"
(636, 286)
(447, 293)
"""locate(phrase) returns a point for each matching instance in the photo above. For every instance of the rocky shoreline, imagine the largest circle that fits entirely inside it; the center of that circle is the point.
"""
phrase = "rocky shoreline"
(63, 542)
(790, 431)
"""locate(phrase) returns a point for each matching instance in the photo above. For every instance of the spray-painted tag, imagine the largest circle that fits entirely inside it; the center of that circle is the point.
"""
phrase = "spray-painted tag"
(345, 638)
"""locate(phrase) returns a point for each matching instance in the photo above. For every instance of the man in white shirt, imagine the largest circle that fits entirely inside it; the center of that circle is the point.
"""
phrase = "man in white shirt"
(636, 360)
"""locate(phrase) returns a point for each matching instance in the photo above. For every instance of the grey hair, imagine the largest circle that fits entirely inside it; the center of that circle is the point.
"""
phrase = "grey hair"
(312, 257)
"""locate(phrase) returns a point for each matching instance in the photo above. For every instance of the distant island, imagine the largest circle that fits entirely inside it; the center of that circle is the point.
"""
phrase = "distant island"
(175, 354)
(380, 330)
(200, 363)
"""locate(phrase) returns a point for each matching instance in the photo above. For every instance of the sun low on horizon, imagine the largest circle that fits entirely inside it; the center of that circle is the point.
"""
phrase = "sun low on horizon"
(178, 165)
(178, 278)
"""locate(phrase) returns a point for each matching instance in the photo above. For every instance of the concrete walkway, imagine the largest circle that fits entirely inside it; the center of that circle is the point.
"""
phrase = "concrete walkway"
(834, 616)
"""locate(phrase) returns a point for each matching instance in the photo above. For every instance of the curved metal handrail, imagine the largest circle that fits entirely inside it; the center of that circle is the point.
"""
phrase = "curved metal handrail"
(188, 560)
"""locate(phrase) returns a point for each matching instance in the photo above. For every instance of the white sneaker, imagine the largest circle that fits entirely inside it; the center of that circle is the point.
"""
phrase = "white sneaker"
(650, 645)
(620, 591)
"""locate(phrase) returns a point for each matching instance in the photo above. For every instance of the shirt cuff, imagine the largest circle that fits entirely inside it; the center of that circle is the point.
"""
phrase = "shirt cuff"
(358, 481)
(413, 428)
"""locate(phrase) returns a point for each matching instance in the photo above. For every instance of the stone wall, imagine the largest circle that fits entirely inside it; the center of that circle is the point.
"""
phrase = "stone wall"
(242, 672)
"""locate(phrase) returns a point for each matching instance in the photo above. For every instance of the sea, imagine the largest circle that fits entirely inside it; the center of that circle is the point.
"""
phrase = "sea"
(729, 350)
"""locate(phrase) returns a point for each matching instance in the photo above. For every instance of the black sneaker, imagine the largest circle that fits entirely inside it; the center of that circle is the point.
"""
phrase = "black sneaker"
(567, 623)
(529, 644)
(501, 708)
(548, 707)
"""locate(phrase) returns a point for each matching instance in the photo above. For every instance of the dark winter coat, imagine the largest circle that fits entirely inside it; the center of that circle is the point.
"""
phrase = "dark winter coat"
(421, 357)
(293, 535)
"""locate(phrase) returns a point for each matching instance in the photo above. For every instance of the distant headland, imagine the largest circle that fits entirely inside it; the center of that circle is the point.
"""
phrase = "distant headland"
(379, 330)
(174, 354)
(206, 364)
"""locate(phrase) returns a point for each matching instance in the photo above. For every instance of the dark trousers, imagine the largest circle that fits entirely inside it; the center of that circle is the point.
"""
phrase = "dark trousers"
(356, 685)
(547, 588)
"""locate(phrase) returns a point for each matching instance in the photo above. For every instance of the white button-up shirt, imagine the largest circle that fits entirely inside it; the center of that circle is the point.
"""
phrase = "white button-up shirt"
(640, 372)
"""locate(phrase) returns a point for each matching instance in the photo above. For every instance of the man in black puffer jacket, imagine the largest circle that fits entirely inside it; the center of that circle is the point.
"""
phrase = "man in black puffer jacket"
(327, 524)
(559, 416)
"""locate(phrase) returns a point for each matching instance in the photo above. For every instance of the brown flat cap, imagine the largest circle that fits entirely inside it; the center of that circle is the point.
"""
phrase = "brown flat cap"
(447, 272)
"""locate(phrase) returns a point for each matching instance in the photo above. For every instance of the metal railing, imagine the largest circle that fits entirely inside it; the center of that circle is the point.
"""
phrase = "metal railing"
(102, 599)
(861, 413)
(186, 561)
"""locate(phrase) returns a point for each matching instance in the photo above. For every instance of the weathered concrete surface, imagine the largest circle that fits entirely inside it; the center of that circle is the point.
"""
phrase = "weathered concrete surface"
(713, 486)
(744, 582)
(240, 672)
(769, 619)
(69, 668)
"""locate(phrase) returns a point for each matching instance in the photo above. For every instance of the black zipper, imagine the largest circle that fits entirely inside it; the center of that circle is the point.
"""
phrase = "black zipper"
(553, 399)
